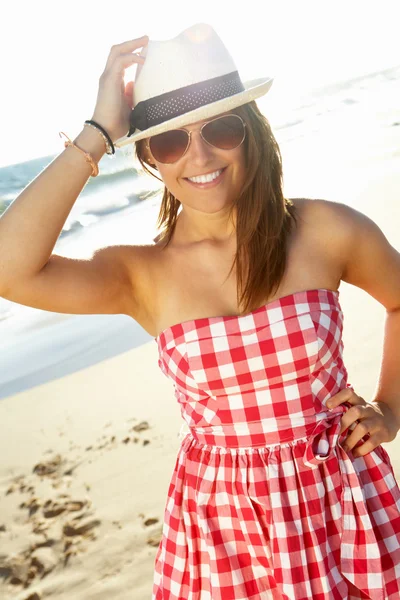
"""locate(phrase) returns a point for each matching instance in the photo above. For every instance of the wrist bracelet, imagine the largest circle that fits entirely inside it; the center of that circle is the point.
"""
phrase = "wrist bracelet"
(107, 140)
(107, 145)
(89, 159)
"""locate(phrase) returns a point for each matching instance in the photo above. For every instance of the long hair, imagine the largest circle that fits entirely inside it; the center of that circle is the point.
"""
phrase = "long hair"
(264, 217)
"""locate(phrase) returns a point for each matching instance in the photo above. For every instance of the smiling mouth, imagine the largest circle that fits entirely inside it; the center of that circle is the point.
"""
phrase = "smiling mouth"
(206, 178)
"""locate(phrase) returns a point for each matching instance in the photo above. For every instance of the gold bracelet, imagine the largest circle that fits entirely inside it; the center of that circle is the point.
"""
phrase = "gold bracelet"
(88, 157)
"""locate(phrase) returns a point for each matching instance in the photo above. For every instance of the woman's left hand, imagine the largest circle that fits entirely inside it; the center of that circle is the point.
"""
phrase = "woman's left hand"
(375, 421)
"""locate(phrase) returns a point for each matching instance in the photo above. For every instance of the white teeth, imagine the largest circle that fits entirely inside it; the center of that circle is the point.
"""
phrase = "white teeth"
(206, 178)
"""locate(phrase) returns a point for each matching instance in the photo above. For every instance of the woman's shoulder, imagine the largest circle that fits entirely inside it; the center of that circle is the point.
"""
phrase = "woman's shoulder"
(355, 245)
(356, 242)
(329, 219)
(327, 227)
(321, 208)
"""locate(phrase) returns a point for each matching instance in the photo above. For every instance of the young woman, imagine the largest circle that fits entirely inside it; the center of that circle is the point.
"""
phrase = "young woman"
(281, 489)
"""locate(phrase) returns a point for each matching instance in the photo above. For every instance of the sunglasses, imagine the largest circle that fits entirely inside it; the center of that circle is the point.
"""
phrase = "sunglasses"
(225, 133)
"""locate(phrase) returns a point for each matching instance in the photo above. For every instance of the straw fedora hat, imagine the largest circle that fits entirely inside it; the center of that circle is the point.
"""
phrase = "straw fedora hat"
(186, 79)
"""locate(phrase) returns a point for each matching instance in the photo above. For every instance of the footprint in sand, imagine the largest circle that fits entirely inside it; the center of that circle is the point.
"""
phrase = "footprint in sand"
(51, 468)
(33, 505)
(142, 426)
(64, 524)
(53, 508)
(155, 536)
(78, 527)
(150, 521)
(18, 485)
(42, 557)
(22, 569)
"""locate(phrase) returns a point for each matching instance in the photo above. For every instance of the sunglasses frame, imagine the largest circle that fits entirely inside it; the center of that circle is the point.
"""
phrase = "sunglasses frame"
(189, 134)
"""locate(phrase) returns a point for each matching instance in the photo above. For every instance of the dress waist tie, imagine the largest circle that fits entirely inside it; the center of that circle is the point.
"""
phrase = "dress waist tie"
(360, 559)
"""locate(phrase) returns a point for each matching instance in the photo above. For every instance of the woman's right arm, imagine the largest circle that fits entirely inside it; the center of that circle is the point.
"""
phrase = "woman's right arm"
(29, 273)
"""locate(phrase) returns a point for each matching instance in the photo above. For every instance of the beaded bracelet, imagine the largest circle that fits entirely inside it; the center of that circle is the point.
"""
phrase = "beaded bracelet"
(107, 140)
(88, 157)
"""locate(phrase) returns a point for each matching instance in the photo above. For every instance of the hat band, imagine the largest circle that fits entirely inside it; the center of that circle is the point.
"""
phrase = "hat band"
(162, 108)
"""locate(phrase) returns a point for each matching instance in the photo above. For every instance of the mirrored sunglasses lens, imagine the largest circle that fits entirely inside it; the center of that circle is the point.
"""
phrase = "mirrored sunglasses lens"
(224, 133)
(168, 147)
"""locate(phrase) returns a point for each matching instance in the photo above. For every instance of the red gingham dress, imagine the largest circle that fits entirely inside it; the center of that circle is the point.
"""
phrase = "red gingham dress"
(264, 503)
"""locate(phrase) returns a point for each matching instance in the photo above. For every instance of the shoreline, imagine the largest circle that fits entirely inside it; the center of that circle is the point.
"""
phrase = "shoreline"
(47, 353)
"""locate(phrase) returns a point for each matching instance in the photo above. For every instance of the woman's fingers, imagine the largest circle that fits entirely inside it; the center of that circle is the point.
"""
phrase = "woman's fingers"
(362, 445)
(114, 101)
(353, 419)
(345, 395)
(353, 415)
(368, 424)
(367, 429)
(367, 432)
(120, 63)
(130, 45)
(125, 48)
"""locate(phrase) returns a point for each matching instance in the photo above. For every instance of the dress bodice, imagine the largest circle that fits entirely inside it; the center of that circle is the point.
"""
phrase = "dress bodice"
(258, 378)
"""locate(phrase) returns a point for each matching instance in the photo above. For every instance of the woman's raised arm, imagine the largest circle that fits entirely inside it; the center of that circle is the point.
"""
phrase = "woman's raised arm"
(31, 225)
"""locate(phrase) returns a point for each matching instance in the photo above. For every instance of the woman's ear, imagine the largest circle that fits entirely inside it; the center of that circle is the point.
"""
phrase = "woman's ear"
(148, 157)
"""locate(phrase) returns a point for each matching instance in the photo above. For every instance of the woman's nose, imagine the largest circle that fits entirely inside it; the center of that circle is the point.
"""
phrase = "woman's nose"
(199, 151)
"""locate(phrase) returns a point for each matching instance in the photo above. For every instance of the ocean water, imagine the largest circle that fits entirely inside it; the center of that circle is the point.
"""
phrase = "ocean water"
(121, 205)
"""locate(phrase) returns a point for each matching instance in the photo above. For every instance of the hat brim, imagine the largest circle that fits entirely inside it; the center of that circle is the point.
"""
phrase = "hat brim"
(253, 89)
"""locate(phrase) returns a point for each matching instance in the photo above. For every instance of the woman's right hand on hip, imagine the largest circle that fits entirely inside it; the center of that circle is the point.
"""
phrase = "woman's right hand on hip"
(114, 99)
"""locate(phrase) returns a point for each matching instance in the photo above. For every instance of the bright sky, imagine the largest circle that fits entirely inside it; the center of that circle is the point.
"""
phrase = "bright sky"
(53, 53)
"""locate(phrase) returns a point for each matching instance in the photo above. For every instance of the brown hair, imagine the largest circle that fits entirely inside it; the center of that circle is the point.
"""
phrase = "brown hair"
(264, 217)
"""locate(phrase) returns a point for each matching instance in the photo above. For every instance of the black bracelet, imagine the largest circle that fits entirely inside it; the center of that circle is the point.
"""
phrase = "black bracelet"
(104, 132)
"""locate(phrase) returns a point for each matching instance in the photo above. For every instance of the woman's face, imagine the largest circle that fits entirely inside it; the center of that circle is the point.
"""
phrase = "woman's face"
(203, 159)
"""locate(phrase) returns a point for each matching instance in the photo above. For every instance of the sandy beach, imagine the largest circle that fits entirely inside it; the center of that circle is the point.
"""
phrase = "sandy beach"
(84, 477)
(86, 459)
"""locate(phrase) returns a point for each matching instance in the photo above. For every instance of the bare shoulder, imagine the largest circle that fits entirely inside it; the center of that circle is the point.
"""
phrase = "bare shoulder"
(316, 211)
(334, 223)
(326, 225)
(367, 258)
